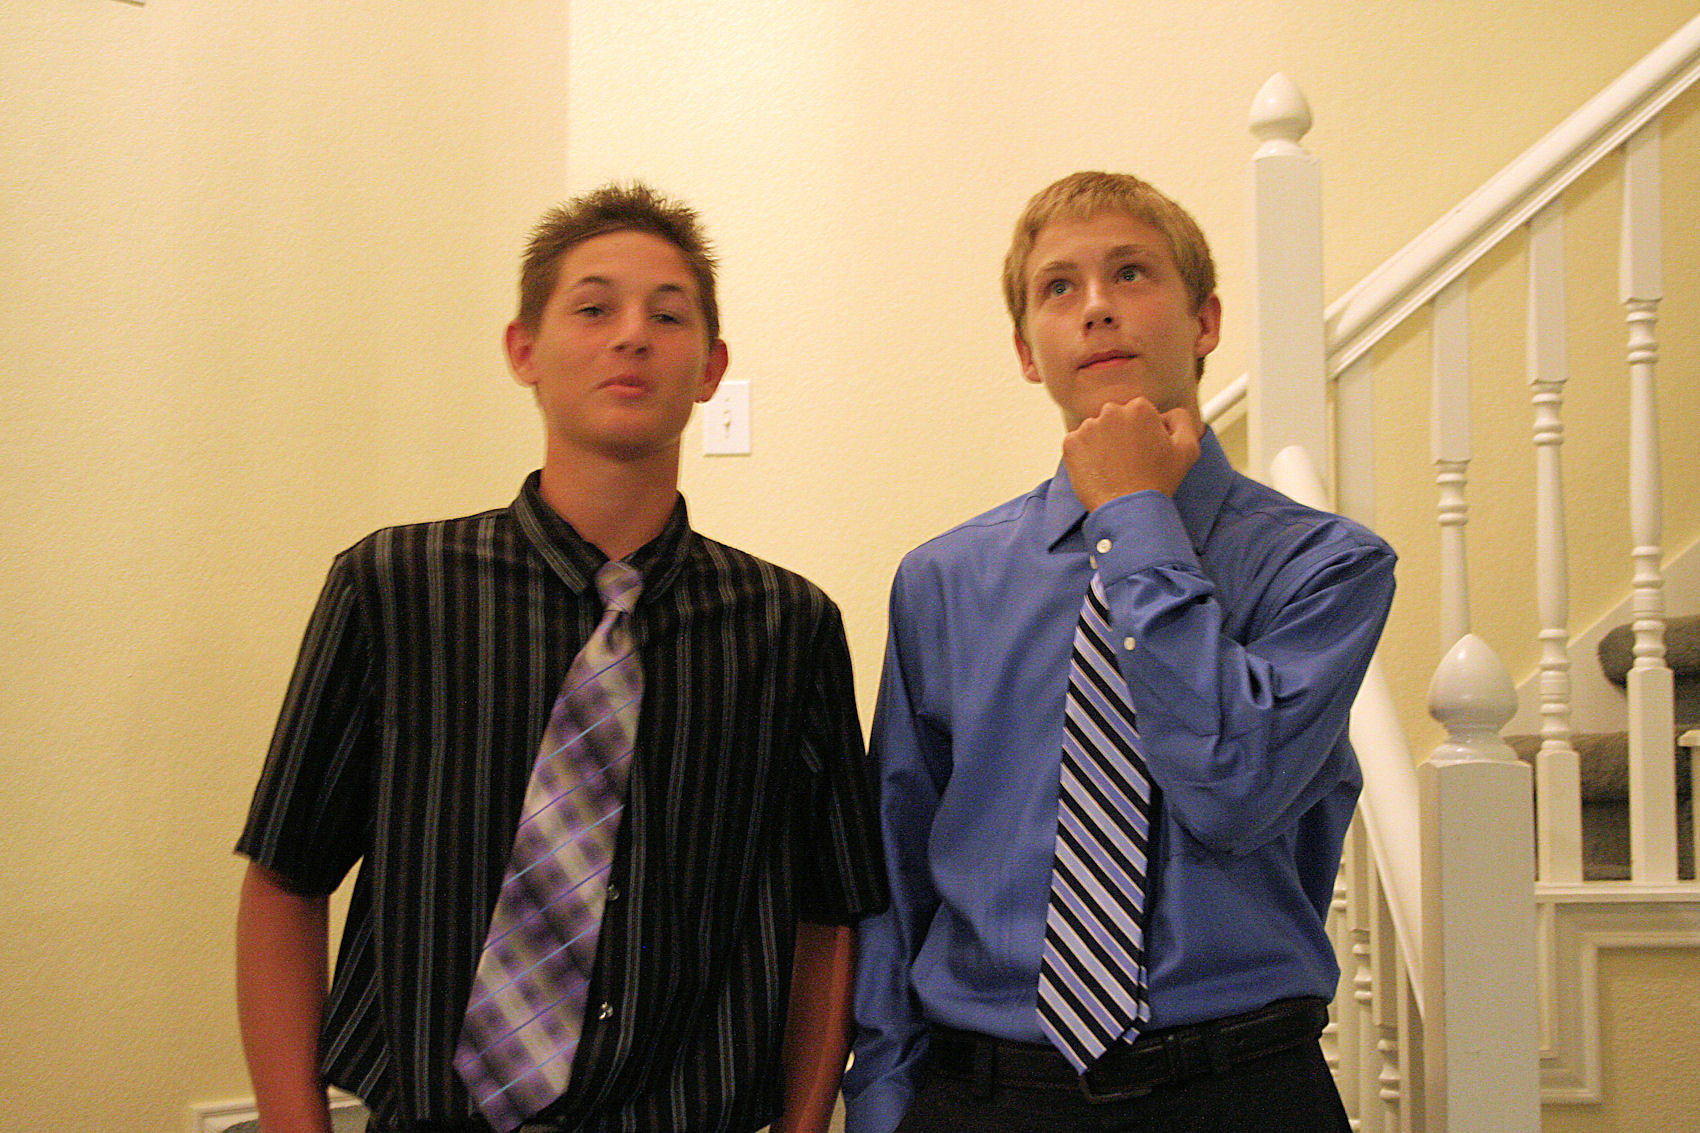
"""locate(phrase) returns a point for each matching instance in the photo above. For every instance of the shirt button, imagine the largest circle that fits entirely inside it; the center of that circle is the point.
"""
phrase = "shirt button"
(1104, 546)
(1127, 644)
(606, 1011)
(613, 893)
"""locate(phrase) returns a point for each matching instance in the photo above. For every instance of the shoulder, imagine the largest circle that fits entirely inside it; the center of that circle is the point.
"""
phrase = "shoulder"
(399, 546)
(989, 535)
(729, 570)
(1281, 549)
(404, 566)
(1256, 513)
(971, 572)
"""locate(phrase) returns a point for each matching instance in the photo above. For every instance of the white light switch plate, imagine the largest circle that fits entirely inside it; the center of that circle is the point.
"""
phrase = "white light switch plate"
(726, 421)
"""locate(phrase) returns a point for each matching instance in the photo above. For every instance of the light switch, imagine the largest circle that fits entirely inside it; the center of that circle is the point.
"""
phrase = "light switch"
(726, 421)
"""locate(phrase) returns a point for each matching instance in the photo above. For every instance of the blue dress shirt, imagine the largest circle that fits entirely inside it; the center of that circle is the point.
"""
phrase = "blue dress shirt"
(1245, 623)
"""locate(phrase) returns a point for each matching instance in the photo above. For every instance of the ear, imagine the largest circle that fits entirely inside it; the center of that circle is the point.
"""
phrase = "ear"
(1209, 326)
(714, 369)
(1025, 353)
(518, 342)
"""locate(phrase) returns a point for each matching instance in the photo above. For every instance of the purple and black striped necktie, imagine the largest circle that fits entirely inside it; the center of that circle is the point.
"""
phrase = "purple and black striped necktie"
(1092, 976)
(526, 1010)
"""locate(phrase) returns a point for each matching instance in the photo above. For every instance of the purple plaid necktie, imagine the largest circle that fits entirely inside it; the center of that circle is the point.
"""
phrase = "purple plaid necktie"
(526, 1010)
(1092, 975)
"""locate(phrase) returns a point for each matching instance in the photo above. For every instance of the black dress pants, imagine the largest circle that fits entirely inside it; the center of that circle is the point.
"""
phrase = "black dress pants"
(1289, 1091)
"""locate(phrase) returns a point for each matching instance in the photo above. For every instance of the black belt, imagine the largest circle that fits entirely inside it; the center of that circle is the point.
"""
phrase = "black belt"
(1173, 1054)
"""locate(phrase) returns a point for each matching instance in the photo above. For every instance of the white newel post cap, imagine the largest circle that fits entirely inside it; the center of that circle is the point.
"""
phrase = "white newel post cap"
(1473, 698)
(1280, 116)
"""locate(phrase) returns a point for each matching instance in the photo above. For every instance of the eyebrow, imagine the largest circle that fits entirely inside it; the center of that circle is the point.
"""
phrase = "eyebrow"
(604, 281)
(1118, 252)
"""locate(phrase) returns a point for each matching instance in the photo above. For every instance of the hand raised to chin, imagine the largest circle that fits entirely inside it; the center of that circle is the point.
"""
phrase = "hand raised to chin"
(1130, 447)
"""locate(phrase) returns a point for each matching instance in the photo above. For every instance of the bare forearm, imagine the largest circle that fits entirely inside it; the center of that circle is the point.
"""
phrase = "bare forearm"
(281, 944)
(817, 1035)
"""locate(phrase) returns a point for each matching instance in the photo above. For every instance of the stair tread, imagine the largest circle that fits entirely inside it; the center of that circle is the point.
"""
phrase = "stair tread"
(1603, 760)
(1682, 650)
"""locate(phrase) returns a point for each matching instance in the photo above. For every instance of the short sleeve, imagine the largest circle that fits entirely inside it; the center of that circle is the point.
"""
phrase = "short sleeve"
(839, 872)
(310, 811)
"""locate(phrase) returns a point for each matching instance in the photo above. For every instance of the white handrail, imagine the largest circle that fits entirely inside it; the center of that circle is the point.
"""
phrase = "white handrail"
(1390, 293)
(1410, 278)
(1389, 804)
(1227, 398)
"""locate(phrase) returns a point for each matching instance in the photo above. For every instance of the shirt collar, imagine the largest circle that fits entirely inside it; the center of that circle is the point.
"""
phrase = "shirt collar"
(575, 561)
(1199, 498)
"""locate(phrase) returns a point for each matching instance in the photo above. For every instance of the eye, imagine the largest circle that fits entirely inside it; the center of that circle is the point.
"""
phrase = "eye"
(668, 317)
(1131, 272)
(1055, 287)
(590, 310)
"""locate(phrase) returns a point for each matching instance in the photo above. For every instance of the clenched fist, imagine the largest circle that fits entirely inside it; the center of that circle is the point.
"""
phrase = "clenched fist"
(1130, 447)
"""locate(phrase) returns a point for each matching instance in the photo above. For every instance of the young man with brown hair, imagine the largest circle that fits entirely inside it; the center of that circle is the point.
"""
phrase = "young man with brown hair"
(602, 776)
(1111, 739)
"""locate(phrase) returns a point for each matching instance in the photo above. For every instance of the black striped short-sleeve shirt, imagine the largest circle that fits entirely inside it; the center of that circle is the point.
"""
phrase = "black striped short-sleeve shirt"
(405, 743)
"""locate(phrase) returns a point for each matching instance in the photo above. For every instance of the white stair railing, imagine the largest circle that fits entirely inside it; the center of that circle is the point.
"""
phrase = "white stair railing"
(1375, 1041)
(1414, 1016)
(1652, 719)
(1288, 349)
(1557, 766)
(1449, 443)
(1524, 201)
(1403, 285)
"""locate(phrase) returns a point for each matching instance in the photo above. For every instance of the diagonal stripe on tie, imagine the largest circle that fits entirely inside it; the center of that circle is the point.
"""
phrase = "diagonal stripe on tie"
(1092, 974)
(525, 1013)
(1093, 951)
(1092, 882)
(1107, 822)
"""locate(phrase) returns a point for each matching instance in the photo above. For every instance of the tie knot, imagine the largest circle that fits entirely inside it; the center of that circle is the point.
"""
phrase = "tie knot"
(619, 584)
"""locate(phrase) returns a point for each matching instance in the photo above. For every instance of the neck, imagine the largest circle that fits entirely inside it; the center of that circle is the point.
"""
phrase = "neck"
(616, 505)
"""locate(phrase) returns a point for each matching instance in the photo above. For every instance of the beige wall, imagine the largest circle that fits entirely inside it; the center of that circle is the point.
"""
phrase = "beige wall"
(255, 263)
(256, 259)
(863, 164)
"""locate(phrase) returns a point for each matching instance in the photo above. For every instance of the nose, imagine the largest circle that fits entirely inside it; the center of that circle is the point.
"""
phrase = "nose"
(631, 332)
(1097, 310)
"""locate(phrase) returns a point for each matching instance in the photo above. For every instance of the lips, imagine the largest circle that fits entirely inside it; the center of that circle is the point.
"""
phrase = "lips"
(1104, 356)
(628, 385)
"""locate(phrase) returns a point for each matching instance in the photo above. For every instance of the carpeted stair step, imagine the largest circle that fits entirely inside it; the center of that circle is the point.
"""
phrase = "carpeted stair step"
(1603, 760)
(1682, 654)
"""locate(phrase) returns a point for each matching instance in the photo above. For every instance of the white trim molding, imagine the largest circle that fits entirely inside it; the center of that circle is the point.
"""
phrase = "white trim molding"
(216, 1117)
(1574, 924)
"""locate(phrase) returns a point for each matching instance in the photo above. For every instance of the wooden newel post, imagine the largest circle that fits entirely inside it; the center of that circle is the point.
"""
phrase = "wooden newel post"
(1481, 1030)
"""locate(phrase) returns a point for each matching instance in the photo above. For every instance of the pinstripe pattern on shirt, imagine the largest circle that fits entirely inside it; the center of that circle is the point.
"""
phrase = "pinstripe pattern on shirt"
(405, 743)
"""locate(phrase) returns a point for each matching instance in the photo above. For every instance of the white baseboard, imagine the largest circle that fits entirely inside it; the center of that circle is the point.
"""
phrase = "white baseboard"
(216, 1117)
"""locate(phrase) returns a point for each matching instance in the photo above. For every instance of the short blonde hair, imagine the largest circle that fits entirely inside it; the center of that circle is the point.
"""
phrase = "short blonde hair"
(1081, 196)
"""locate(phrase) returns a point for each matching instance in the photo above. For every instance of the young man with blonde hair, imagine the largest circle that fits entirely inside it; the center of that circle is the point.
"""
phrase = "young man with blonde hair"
(602, 776)
(1111, 740)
